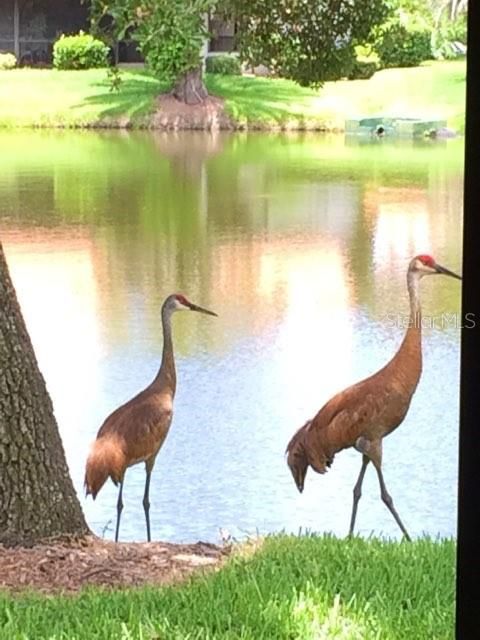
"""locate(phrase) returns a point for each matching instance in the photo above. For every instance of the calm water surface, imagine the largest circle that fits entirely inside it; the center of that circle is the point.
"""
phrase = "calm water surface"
(300, 243)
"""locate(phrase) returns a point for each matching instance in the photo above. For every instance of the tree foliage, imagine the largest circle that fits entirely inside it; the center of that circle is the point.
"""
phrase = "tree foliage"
(170, 33)
(309, 41)
(432, 9)
(420, 29)
(399, 46)
(304, 40)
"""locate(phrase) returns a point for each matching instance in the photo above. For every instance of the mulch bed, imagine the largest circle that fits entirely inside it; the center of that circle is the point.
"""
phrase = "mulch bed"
(68, 565)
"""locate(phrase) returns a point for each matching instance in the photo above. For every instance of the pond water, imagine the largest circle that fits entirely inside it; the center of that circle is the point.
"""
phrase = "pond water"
(300, 243)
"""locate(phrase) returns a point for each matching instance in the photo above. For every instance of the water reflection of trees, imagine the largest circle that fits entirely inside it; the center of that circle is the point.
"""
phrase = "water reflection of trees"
(206, 213)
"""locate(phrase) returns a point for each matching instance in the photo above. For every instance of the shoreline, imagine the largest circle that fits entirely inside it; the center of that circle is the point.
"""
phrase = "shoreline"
(50, 99)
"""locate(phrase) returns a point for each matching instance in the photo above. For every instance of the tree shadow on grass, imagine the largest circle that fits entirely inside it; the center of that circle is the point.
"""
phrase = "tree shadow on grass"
(262, 98)
(134, 98)
(254, 99)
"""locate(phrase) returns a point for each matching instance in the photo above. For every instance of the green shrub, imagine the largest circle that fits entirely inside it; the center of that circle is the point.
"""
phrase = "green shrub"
(226, 65)
(81, 51)
(456, 30)
(362, 70)
(7, 61)
(448, 51)
(447, 34)
(398, 46)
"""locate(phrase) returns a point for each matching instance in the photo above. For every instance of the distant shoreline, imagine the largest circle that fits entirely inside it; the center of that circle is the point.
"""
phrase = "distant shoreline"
(47, 98)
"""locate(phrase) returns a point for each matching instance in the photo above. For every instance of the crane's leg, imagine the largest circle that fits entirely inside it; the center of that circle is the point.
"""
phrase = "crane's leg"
(357, 492)
(387, 499)
(119, 509)
(373, 450)
(146, 502)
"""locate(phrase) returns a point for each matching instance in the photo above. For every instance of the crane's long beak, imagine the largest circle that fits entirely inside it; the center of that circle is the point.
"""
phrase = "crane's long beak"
(194, 307)
(447, 272)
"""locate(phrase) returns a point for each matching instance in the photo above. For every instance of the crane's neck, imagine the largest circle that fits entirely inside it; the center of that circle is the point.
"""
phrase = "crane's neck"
(166, 378)
(413, 282)
(408, 359)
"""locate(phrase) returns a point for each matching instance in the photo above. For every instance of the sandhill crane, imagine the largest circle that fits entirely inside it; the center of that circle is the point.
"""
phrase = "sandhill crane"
(363, 414)
(136, 430)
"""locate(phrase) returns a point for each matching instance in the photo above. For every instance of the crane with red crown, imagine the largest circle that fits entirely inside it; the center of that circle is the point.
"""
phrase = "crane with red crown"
(363, 414)
(136, 431)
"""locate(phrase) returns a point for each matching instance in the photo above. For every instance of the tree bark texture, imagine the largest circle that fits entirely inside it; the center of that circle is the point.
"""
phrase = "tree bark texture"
(37, 497)
(190, 87)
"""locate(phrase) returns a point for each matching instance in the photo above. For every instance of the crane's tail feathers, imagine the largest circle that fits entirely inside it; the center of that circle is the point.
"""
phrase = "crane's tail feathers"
(106, 459)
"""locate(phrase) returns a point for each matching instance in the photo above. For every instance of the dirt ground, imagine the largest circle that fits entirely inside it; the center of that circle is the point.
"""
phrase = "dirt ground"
(67, 565)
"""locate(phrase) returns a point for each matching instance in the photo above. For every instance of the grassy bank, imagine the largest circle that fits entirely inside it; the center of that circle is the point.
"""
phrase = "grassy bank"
(286, 588)
(82, 98)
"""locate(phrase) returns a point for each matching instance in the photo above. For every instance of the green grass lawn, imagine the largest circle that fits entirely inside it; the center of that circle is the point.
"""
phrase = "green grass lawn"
(288, 588)
(82, 98)
(433, 90)
(43, 97)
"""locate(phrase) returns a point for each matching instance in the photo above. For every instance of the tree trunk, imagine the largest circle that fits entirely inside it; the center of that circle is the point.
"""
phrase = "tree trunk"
(190, 87)
(37, 498)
